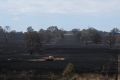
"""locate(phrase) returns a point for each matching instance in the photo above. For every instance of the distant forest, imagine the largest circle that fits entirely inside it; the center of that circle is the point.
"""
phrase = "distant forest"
(31, 41)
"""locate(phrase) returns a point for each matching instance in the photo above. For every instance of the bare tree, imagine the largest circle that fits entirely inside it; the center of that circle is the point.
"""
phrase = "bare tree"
(6, 34)
(54, 34)
(90, 35)
(52, 29)
(111, 38)
(75, 30)
(115, 31)
(33, 41)
(1, 34)
(94, 35)
(77, 33)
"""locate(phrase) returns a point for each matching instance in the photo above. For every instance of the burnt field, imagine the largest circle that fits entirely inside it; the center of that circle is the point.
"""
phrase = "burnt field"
(84, 59)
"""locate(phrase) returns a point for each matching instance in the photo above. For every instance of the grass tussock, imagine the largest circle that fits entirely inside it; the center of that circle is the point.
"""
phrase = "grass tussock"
(69, 73)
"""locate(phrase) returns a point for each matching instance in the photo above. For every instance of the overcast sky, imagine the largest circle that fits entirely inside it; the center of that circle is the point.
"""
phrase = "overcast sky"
(67, 14)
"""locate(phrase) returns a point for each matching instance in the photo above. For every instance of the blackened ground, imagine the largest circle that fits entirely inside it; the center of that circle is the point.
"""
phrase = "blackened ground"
(85, 60)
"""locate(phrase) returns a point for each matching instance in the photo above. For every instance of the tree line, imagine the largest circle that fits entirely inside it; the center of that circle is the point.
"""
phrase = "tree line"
(92, 35)
(32, 40)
